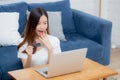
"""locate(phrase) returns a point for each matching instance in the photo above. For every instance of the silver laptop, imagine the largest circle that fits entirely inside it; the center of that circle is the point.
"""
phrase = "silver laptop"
(63, 63)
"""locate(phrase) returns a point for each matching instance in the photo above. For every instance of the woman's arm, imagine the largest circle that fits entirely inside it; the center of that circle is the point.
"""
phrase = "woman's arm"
(49, 54)
(27, 62)
(44, 39)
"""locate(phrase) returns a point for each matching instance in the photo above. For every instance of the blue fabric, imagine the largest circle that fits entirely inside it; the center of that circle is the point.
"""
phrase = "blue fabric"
(95, 29)
(0, 73)
(76, 41)
(9, 60)
(64, 7)
(21, 8)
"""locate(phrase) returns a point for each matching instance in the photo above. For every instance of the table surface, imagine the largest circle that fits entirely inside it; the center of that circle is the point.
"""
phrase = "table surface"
(91, 71)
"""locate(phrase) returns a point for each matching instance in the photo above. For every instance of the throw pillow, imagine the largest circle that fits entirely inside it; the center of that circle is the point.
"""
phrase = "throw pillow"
(64, 7)
(9, 34)
(19, 7)
(55, 25)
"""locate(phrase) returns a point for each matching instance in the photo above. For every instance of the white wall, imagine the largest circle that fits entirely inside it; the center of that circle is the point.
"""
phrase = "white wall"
(89, 6)
(110, 11)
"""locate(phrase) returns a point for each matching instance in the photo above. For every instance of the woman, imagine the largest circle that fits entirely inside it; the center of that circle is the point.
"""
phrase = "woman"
(37, 45)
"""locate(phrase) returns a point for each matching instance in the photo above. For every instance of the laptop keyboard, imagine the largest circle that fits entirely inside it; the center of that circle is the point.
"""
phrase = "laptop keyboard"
(43, 70)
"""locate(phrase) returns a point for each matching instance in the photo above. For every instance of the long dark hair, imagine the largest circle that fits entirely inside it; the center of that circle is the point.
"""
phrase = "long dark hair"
(29, 33)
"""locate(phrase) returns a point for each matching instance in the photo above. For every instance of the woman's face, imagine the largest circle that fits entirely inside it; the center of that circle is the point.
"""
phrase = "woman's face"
(42, 25)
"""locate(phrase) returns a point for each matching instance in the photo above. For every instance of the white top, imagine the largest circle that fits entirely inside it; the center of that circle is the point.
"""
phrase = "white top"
(41, 57)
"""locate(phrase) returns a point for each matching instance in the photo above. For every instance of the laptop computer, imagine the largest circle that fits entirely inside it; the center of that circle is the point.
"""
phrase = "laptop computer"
(63, 63)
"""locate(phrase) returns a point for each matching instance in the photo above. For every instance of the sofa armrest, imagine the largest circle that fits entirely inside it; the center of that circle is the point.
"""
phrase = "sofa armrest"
(96, 29)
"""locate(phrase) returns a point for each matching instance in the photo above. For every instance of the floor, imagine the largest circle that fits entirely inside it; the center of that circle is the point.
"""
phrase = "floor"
(115, 63)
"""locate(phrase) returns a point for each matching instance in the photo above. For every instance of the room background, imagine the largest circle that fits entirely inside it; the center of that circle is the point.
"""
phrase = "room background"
(107, 9)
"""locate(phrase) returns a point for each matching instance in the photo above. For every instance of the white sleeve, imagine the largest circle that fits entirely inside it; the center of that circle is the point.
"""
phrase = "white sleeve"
(56, 46)
(20, 52)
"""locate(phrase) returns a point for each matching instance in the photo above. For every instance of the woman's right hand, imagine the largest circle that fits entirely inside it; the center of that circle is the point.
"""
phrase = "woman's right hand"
(29, 50)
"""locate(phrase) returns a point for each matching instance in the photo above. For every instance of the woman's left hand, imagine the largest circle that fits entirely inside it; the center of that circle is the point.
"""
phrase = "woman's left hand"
(44, 39)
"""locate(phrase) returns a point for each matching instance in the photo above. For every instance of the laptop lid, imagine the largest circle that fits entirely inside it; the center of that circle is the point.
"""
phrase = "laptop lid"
(66, 62)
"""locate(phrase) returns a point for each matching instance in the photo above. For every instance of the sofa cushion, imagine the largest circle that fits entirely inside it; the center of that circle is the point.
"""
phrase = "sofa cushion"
(76, 41)
(20, 7)
(64, 7)
(9, 60)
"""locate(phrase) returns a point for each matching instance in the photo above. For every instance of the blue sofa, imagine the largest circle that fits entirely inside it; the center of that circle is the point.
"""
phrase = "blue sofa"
(81, 30)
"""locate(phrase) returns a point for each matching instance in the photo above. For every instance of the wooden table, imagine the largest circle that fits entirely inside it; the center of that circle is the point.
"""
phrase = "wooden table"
(90, 71)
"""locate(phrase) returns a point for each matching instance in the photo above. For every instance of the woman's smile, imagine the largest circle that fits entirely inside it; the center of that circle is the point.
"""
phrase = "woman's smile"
(40, 32)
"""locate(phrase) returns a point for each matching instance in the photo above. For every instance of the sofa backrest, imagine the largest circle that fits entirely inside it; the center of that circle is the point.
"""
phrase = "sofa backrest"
(22, 7)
